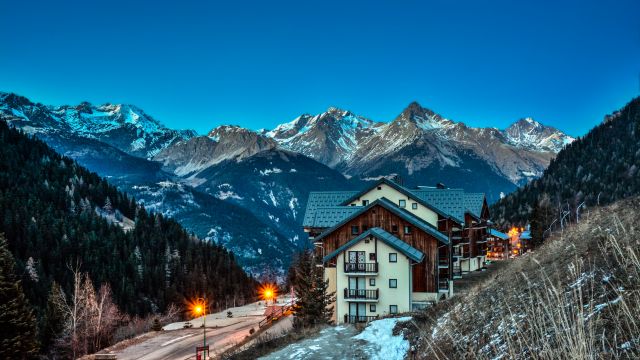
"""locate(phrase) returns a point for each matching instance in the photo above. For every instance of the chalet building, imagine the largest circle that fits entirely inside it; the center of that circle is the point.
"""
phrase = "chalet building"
(389, 249)
(498, 245)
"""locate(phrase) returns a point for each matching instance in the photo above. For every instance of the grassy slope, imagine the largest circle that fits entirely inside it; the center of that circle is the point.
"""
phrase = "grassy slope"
(576, 297)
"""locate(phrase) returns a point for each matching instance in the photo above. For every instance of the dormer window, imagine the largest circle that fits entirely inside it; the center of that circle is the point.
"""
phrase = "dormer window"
(402, 203)
(365, 202)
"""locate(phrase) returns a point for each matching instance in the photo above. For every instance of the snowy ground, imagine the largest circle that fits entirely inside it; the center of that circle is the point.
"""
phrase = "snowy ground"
(376, 341)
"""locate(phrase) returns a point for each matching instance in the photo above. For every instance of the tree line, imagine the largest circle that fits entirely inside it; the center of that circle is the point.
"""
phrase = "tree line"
(61, 220)
(596, 169)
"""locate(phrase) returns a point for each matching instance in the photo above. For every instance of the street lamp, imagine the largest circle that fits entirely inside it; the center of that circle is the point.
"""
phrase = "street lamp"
(268, 292)
(198, 308)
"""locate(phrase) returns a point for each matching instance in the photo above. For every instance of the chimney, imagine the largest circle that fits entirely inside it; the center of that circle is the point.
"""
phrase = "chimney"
(440, 186)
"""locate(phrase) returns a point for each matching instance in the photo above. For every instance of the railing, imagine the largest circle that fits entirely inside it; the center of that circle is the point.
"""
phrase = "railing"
(443, 284)
(274, 316)
(354, 319)
(361, 294)
(361, 267)
(443, 261)
(457, 272)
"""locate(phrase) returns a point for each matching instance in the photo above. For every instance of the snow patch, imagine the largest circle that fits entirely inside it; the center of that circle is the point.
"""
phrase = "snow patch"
(383, 344)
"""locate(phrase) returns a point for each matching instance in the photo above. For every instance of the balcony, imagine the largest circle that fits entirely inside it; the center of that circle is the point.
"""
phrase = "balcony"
(355, 319)
(361, 294)
(443, 285)
(366, 268)
(457, 272)
(443, 263)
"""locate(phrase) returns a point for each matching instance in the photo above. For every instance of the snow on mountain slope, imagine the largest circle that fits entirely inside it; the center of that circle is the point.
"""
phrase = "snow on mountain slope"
(330, 137)
(360, 147)
(125, 127)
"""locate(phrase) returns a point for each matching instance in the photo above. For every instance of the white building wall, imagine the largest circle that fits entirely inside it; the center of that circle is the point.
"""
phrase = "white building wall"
(395, 196)
(401, 270)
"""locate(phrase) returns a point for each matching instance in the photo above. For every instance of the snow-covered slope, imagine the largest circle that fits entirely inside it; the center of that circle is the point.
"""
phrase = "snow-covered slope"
(419, 139)
(189, 157)
(330, 137)
(125, 127)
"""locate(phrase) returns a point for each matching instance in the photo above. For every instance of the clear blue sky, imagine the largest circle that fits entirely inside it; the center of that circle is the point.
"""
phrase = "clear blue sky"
(198, 64)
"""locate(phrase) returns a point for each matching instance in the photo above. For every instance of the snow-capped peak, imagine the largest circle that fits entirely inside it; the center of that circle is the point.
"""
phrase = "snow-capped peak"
(530, 134)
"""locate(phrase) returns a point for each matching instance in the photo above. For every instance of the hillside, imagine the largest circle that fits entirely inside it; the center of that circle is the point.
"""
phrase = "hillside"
(57, 214)
(576, 297)
(599, 168)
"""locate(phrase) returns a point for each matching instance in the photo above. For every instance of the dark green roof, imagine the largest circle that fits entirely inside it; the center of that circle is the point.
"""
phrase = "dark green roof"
(404, 214)
(474, 202)
(325, 217)
(406, 249)
(325, 199)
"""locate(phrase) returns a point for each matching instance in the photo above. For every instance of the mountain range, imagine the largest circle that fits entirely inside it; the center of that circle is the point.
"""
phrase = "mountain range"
(247, 189)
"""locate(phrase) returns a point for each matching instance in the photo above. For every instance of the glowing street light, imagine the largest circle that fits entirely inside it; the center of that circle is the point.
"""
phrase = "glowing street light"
(268, 292)
(199, 308)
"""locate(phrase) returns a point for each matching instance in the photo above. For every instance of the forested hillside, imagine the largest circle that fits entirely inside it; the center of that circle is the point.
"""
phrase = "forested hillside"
(56, 214)
(599, 168)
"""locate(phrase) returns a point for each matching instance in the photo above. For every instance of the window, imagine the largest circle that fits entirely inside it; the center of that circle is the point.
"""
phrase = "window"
(393, 283)
(393, 257)
(379, 187)
(372, 308)
(393, 309)
(354, 230)
(354, 204)
(394, 229)
(365, 202)
(407, 229)
(372, 256)
(402, 203)
(414, 206)
(372, 282)
(365, 227)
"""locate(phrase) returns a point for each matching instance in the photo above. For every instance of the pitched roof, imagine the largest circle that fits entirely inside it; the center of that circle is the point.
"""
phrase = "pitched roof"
(325, 217)
(474, 202)
(451, 201)
(406, 191)
(498, 234)
(322, 199)
(408, 250)
(404, 214)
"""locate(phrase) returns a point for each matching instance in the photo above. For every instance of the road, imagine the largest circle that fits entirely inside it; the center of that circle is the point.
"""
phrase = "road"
(181, 344)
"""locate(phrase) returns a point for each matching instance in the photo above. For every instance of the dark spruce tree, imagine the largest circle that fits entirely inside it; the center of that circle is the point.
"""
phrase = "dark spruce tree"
(53, 214)
(313, 302)
(18, 339)
(594, 170)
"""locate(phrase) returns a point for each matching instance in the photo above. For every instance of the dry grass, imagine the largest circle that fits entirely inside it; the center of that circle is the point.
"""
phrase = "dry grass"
(577, 297)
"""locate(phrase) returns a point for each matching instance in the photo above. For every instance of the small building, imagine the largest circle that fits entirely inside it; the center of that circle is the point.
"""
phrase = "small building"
(388, 248)
(497, 245)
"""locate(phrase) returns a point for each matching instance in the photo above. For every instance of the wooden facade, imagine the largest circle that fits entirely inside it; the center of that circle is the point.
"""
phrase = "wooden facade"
(425, 273)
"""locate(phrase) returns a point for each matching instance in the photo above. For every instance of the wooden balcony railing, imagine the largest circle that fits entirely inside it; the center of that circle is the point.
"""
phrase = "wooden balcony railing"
(361, 267)
(354, 319)
(361, 294)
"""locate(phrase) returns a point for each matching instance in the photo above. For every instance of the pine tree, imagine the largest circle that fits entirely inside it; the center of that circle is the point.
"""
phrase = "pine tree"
(17, 323)
(313, 302)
